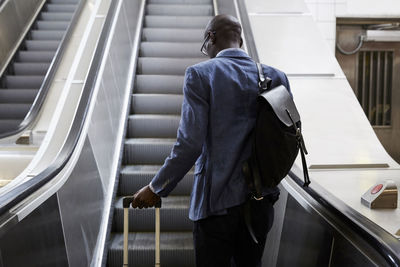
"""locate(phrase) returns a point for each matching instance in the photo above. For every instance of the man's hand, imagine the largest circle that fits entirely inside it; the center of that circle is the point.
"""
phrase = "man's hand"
(145, 198)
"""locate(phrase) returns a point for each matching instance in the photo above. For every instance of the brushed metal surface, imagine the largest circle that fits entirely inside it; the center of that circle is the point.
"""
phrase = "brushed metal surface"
(335, 129)
(292, 43)
(276, 6)
(349, 186)
(37, 240)
(81, 207)
(16, 17)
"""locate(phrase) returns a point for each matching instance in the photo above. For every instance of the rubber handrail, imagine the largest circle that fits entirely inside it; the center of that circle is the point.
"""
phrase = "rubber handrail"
(367, 230)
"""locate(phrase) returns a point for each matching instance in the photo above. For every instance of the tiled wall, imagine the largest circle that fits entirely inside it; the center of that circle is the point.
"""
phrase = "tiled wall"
(326, 11)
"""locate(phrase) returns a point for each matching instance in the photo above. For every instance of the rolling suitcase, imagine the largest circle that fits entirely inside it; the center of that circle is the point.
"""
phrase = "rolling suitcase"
(126, 203)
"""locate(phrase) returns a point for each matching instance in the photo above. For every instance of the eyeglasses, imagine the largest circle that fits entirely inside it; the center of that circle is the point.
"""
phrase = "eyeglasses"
(204, 47)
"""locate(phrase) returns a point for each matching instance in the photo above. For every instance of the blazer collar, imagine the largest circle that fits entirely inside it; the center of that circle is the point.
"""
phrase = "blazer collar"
(232, 52)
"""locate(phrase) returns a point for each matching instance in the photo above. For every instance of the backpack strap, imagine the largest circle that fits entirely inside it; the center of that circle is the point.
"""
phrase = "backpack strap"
(250, 167)
(303, 150)
(264, 83)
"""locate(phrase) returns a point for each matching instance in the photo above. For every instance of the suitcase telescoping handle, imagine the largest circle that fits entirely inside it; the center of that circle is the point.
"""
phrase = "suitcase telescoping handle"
(126, 203)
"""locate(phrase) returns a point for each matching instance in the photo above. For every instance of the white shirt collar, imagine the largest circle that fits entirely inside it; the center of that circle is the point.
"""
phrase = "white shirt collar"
(229, 49)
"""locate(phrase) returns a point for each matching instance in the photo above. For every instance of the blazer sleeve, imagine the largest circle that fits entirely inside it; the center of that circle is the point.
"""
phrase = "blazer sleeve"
(191, 135)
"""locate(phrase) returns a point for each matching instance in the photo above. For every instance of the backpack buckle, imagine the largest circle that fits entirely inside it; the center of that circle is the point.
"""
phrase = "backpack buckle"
(257, 198)
(263, 85)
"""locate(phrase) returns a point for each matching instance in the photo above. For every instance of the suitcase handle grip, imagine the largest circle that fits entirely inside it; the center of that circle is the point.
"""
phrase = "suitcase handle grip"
(158, 204)
(126, 202)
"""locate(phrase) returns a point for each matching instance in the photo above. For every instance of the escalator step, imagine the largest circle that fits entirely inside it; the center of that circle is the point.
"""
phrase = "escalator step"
(179, 10)
(147, 150)
(52, 25)
(60, 8)
(18, 95)
(35, 56)
(26, 82)
(7, 125)
(153, 126)
(35, 45)
(30, 68)
(54, 16)
(166, 49)
(172, 35)
(174, 2)
(165, 66)
(156, 104)
(199, 22)
(134, 177)
(47, 35)
(67, 2)
(173, 216)
(176, 249)
(14, 111)
(159, 84)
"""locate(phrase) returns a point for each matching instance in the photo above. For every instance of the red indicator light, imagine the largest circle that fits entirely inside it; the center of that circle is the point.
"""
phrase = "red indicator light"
(376, 189)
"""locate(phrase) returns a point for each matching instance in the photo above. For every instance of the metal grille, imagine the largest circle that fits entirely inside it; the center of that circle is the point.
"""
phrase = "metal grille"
(374, 86)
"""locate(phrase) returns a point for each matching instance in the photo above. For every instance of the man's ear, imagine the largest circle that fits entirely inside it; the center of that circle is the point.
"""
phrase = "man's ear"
(213, 39)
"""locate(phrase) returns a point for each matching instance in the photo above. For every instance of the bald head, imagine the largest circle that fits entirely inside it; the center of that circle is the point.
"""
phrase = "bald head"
(227, 33)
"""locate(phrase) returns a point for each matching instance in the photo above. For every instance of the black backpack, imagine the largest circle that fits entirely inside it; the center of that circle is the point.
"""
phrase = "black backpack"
(276, 138)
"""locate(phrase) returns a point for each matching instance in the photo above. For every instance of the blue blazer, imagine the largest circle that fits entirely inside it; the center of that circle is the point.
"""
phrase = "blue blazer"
(218, 114)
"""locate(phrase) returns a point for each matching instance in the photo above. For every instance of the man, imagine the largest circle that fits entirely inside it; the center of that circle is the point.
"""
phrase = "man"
(218, 115)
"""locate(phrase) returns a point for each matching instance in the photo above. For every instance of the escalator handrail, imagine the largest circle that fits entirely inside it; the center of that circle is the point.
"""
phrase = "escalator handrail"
(22, 191)
(372, 234)
(48, 79)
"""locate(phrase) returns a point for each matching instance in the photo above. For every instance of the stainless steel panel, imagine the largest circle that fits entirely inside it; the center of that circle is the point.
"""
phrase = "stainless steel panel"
(276, 6)
(81, 206)
(309, 241)
(131, 10)
(121, 52)
(353, 184)
(326, 229)
(293, 44)
(371, 84)
(25, 9)
(272, 244)
(345, 254)
(385, 91)
(339, 133)
(106, 118)
(37, 240)
(364, 101)
(305, 240)
(379, 106)
(15, 18)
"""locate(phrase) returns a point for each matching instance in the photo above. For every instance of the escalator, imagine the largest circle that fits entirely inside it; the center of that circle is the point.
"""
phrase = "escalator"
(24, 76)
(67, 205)
(171, 39)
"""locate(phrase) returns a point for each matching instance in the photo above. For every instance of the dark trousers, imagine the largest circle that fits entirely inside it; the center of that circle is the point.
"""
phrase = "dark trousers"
(225, 240)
